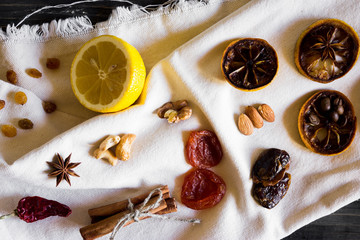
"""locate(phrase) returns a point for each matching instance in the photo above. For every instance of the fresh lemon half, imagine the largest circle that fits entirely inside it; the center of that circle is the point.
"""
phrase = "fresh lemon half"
(107, 74)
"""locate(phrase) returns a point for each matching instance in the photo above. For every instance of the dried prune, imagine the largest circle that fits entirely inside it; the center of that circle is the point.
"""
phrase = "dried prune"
(11, 76)
(52, 63)
(326, 50)
(335, 125)
(33, 72)
(25, 123)
(270, 166)
(249, 64)
(203, 149)
(20, 98)
(202, 189)
(270, 196)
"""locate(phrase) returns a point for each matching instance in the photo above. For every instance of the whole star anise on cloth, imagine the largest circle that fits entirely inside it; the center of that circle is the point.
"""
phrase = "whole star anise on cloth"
(62, 169)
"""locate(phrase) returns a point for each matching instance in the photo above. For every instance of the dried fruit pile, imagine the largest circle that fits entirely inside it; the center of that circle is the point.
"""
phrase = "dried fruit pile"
(271, 181)
(202, 188)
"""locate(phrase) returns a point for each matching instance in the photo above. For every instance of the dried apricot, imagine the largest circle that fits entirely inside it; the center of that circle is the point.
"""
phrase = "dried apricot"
(327, 122)
(326, 50)
(202, 189)
(270, 166)
(20, 98)
(2, 104)
(8, 130)
(203, 149)
(270, 196)
(49, 107)
(52, 63)
(11, 76)
(25, 123)
(33, 72)
(249, 64)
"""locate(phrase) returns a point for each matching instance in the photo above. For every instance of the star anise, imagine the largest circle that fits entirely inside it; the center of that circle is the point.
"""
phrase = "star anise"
(62, 169)
(329, 45)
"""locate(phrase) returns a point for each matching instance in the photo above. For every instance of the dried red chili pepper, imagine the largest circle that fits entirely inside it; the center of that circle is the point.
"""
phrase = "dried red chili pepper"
(31, 209)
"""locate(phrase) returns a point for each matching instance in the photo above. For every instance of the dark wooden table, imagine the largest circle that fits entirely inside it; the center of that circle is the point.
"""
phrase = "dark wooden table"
(343, 224)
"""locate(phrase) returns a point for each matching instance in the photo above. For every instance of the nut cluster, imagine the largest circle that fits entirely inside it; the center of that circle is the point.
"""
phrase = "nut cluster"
(175, 112)
(122, 150)
(254, 118)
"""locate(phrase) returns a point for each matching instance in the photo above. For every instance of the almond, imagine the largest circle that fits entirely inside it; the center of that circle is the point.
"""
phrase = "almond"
(254, 116)
(266, 112)
(245, 125)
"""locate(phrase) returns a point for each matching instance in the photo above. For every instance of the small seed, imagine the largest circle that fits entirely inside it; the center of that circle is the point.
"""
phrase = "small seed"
(325, 104)
(33, 72)
(52, 63)
(338, 102)
(25, 123)
(314, 119)
(20, 98)
(9, 130)
(340, 109)
(254, 116)
(11, 76)
(334, 116)
(266, 113)
(245, 125)
(2, 104)
(49, 107)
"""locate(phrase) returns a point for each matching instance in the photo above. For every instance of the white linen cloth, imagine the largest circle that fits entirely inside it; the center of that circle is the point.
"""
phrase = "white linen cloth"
(182, 50)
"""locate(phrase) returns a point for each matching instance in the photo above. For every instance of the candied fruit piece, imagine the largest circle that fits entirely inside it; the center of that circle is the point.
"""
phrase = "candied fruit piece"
(25, 123)
(2, 104)
(11, 76)
(20, 98)
(52, 63)
(33, 72)
(9, 130)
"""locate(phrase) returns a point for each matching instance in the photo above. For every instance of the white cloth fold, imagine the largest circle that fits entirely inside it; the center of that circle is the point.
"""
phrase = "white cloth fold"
(182, 50)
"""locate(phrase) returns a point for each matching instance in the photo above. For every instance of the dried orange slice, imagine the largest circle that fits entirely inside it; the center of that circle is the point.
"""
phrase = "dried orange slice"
(327, 122)
(326, 50)
(249, 64)
(107, 74)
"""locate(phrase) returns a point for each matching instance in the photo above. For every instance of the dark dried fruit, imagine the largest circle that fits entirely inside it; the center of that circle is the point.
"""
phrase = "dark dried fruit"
(249, 64)
(2, 104)
(203, 149)
(25, 123)
(326, 50)
(8, 130)
(202, 189)
(270, 166)
(11, 76)
(336, 128)
(52, 63)
(270, 196)
(31, 209)
(20, 98)
(49, 107)
(33, 72)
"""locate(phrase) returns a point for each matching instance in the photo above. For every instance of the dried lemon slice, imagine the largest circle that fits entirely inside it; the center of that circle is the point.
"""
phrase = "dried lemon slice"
(107, 74)
(327, 122)
(326, 50)
(249, 64)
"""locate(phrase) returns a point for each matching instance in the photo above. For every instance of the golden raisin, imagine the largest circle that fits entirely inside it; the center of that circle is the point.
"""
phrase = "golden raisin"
(33, 72)
(20, 98)
(2, 104)
(52, 63)
(49, 107)
(9, 130)
(11, 76)
(25, 123)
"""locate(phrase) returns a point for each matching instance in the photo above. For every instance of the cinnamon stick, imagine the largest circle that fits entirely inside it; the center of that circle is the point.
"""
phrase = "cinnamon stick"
(107, 225)
(102, 212)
